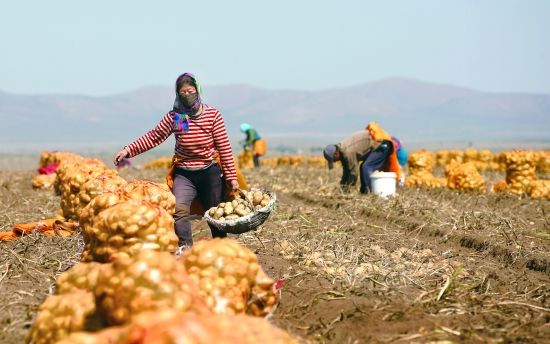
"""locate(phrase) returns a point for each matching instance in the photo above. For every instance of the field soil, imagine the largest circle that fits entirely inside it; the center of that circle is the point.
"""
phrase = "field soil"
(424, 266)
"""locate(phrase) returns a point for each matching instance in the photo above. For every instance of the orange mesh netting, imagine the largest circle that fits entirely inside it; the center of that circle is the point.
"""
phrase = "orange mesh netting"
(48, 227)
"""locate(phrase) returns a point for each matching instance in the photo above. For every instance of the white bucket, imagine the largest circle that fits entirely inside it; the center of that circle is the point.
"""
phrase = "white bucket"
(383, 183)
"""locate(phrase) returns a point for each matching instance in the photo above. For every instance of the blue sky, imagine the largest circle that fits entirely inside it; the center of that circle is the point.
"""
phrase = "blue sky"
(104, 47)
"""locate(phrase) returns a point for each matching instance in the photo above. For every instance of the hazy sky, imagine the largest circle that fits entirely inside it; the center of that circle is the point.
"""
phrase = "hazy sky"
(103, 47)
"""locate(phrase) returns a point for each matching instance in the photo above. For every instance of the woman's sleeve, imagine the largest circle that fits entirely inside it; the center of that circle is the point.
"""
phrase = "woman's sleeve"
(152, 138)
(223, 146)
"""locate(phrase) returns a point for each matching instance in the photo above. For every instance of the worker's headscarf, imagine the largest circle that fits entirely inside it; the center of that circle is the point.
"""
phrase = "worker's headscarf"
(245, 127)
(187, 104)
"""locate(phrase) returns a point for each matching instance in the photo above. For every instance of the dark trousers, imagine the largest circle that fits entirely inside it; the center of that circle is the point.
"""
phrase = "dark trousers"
(256, 159)
(377, 160)
(208, 186)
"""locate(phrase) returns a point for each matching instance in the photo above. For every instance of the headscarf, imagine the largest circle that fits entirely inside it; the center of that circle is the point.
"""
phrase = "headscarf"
(378, 135)
(245, 126)
(179, 106)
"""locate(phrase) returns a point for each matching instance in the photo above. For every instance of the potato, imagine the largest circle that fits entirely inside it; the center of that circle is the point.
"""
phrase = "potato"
(219, 213)
(228, 209)
(257, 197)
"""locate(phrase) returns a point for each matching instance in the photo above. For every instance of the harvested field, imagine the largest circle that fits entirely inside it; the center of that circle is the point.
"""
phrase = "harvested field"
(425, 266)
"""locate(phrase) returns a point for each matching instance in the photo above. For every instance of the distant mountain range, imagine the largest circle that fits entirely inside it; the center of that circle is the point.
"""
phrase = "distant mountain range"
(409, 109)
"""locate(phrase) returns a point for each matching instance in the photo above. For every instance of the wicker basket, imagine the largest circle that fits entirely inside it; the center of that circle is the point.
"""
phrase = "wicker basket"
(245, 223)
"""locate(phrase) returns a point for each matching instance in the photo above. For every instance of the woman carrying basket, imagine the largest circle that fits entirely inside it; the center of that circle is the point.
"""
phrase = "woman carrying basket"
(202, 160)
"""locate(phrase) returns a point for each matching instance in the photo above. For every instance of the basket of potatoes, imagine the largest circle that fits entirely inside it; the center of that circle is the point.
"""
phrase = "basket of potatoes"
(246, 212)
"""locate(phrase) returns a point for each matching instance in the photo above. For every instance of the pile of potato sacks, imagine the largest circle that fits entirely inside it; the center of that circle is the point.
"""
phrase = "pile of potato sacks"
(129, 277)
(295, 160)
(520, 170)
(243, 204)
(79, 180)
(216, 278)
(464, 177)
(462, 170)
(521, 178)
(421, 165)
(443, 157)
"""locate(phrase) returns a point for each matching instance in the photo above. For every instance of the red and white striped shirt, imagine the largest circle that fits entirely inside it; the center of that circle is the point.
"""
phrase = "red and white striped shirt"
(197, 147)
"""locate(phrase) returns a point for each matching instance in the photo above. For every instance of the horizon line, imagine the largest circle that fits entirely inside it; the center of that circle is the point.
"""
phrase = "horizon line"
(376, 81)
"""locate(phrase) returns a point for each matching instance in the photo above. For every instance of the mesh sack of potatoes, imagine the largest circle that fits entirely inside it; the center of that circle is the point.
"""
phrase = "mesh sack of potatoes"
(229, 277)
(108, 181)
(485, 160)
(81, 276)
(171, 327)
(500, 159)
(148, 281)
(455, 155)
(72, 166)
(43, 181)
(247, 211)
(59, 315)
(444, 157)
(520, 170)
(70, 200)
(539, 189)
(464, 177)
(155, 193)
(127, 228)
(543, 165)
(159, 163)
(51, 157)
(441, 157)
(421, 161)
(98, 204)
(426, 179)
(470, 155)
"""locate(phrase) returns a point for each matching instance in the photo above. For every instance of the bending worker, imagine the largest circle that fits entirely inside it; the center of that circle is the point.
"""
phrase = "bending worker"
(373, 147)
(254, 142)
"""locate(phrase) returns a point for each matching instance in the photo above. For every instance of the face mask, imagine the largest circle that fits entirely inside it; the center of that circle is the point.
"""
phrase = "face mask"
(188, 100)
